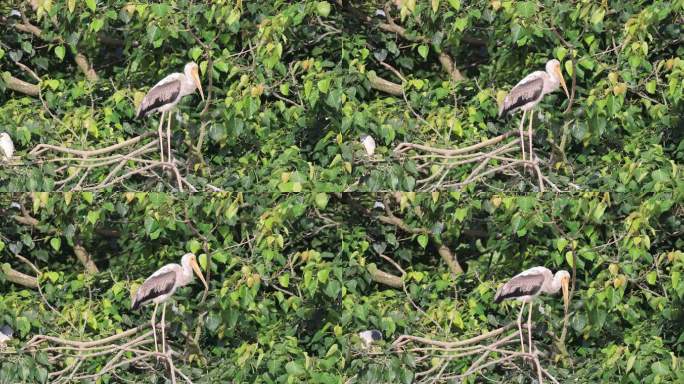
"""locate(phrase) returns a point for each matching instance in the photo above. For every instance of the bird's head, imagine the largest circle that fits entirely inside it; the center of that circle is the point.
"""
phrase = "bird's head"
(4, 136)
(192, 70)
(554, 67)
(564, 278)
(191, 260)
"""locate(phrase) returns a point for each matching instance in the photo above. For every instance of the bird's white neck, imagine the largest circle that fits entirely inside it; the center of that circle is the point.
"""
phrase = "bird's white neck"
(188, 85)
(186, 273)
(556, 283)
(553, 79)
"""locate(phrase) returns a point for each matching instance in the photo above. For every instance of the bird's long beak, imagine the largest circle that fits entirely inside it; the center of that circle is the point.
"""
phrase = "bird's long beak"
(562, 81)
(198, 272)
(566, 293)
(195, 77)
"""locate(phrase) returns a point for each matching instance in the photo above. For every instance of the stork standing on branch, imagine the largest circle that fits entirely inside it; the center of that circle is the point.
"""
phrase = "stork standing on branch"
(162, 284)
(529, 284)
(165, 95)
(529, 92)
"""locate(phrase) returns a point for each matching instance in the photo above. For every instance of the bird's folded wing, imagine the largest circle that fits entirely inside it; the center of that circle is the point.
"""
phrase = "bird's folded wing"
(521, 285)
(522, 94)
(158, 96)
(154, 286)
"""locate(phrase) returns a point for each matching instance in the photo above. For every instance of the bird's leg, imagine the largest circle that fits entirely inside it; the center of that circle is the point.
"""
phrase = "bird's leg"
(529, 132)
(529, 328)
(522, 342)
(168, 138)
(161, 133)
(154, 331)
(163, 325)
(522, 138)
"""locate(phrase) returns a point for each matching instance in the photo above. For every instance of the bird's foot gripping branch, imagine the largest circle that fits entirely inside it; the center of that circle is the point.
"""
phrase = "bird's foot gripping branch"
(491, 156)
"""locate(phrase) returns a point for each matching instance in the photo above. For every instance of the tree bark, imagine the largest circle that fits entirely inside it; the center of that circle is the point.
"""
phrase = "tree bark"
(21, 86)
(85, 259)
(449, 258)
(17, 277)
(385, 278)
(383, 85)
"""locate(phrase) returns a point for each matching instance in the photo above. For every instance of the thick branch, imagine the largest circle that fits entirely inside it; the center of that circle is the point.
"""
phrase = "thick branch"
(443, 250)
(385, 278)
(383, 85)
(86, 68)
(85, 259)
(449, 258)
(449, 67)
(17, 277)
(21, 86)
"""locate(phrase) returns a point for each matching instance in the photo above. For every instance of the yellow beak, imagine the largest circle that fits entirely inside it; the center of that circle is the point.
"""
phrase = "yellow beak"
(562, 81)
(196, 79)
(198, 272)
(566, 294)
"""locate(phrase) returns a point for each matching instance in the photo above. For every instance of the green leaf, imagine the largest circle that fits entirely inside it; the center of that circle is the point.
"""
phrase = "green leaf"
(324, 85)
(460, 214)
(294, 369)
(455, 4)
(676, 276)
(423, 240)
(195, 53)
(652, 277)
(569, 259)
(193, 246)
(91, 4)
(23, 326)
(93, 216)
(59, 52)
(597, 16)
(423, 51)
(56, 243)
(220, 257)
(651, 87)
(323, 8)
(96, 25)
(561, 243)
(53, 276)
(525, 9)
(202, 259)
(71, 5)
(321, 200)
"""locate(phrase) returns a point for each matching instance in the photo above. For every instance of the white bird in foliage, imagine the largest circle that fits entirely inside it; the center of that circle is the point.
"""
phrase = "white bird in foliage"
(368, 144)
(529, 92)
(162, 284)
(6, 147)
(165, 95)
(529, 284)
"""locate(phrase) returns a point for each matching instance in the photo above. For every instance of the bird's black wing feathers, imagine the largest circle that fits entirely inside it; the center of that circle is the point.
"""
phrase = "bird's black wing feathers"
(521, 95)
(521, 285)
(158, 96)
(153, 287)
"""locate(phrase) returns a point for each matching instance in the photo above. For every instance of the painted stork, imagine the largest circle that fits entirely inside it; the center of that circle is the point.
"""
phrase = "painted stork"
(165, 95)
(6, 147)
(529, 284)
(529, 92)
(161, 285)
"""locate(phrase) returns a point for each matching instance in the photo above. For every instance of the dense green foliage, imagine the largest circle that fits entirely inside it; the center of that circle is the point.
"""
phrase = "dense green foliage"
(291, 88)
(291, 281)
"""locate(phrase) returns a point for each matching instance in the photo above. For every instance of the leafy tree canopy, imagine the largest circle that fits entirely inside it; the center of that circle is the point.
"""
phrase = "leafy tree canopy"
(294, 85)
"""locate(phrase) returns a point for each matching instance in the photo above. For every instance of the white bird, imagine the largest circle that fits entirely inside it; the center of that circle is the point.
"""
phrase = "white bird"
(369, 337)
(368, 144)
(529, 284)
(529, 92)
(6, 147)
(5, 334)
(162, 284)
(165, 95)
